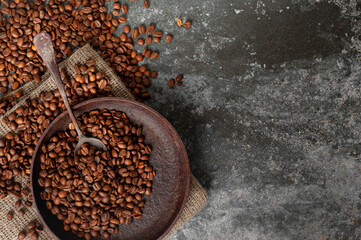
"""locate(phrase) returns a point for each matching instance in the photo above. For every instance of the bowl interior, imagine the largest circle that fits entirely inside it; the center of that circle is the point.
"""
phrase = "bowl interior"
(169, 159)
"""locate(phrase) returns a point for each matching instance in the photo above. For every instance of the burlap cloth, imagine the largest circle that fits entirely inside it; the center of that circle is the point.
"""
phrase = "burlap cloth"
(10, 229)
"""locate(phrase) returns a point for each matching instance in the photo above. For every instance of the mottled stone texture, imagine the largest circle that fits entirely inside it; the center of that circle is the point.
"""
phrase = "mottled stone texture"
(269, 113)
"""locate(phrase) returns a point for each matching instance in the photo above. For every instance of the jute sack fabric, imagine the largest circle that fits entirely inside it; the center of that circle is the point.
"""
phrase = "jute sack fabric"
(9, 229)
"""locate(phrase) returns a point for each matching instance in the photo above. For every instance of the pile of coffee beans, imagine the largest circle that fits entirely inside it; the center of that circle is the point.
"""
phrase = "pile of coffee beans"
(96, 191)
(30, 121)
(71, 24)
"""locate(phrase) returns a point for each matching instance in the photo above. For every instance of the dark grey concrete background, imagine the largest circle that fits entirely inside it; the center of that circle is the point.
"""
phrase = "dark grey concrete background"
(269, 113)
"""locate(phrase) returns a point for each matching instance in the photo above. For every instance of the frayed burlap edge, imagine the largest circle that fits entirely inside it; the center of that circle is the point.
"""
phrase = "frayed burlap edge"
(9, 229)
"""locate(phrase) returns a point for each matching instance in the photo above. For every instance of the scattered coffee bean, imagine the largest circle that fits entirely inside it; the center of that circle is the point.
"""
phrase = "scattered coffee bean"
(126, 29)
(39, 228)
(171, 83)
(31, 225)
(21, 235)
(17, 204)
(179, 22)
(168, 38)
(179, 77)
(135, 33)
(150, 29)
(116, 6)
(154, 55)
(21, 212)
(187, 24)
(140, 41)
(148, 40)
(142, 30)
(10, 216)
(124, 9)
(30, 232)
(158, 33)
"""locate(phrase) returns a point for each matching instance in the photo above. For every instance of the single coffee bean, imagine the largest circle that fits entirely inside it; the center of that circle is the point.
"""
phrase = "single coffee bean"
(168, 38)
(145, 4)
(126, 30)
(124, 8)
(148, 40)
(135, 33)
(187, 24)
(21, 212)
(31, 232)
(171, 83)
(116, 6)
(154, 55)
(17, 204)
(142, 30)
(31, 225)
(140, 41)
(150, 29)
(10, 216)
(158, 33)
(179, 77)
(39, 228)
(179, 22)
(21, 235)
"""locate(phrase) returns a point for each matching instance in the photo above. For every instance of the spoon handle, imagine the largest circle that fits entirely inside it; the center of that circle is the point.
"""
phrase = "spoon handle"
(44, 47)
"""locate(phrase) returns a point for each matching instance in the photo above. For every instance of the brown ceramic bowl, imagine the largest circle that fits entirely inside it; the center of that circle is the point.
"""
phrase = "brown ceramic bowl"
(169, 159)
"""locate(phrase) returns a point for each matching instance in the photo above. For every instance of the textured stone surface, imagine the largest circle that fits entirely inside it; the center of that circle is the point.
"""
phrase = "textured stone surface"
(269, 112)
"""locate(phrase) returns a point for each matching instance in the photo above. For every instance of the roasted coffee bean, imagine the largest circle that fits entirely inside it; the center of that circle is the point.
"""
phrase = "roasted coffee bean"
(179, 22)
(31, 232)
(171, 83)
(158, 33)
(150, 29)
(31, 225)
(39, 228)
(116, 6)
(21, 235)
(179, 77)
(140, 42)
(168, 38)
(142, 30)
(148, 40)
(21, 212)
(10, 216)
(154, 55)
(122, 19)
(17, 204)
(135, 33)
(126, 29)
(146, 4)
(187, 24)
(124, 8)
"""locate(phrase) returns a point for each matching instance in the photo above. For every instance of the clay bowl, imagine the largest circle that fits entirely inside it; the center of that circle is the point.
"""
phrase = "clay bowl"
(169, 159)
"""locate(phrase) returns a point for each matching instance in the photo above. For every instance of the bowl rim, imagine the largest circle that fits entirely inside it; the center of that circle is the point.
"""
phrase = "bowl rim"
(141, 105)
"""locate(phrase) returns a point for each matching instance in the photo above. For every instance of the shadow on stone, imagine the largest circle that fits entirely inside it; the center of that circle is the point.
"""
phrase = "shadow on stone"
(298, 34)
